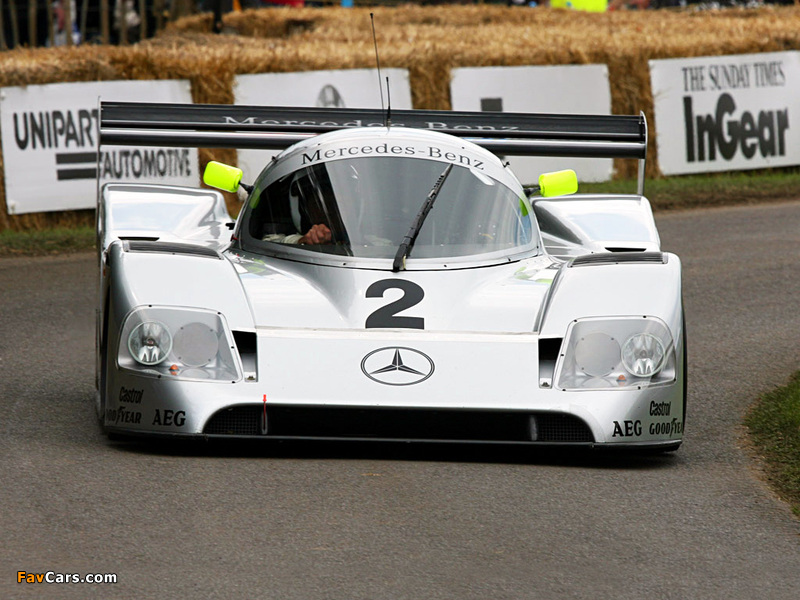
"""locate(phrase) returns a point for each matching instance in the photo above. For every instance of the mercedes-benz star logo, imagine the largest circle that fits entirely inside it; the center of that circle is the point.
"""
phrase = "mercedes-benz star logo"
(397, 366)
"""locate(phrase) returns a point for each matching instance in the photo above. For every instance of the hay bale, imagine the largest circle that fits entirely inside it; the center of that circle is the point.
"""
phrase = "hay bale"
(429, 41)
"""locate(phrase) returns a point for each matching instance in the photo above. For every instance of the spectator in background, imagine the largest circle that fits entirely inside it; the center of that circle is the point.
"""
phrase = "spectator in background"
(62, 28)
(281, 3)
(221, 7)
(125, 15)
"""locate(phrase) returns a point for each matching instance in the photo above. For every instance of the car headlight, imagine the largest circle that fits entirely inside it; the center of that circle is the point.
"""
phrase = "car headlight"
(643, 355)
(632, 352)
(150, 343)
(180, 343)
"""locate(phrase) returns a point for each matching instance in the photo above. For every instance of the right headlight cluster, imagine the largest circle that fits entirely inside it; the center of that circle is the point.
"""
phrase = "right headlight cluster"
(631, 352)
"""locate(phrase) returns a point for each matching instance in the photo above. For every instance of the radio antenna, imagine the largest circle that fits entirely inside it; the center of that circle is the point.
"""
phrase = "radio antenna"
(378, 62)
(388, 104)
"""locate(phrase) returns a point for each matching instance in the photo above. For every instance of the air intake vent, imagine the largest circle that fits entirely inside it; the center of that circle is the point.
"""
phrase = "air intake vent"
(394, 424)
(623, 249)
(169, 248)
(614, 258)
(562, 429)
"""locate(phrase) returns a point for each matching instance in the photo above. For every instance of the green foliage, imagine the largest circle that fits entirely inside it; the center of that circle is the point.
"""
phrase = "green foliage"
(774, 424)
(48, 241)
(698, 191)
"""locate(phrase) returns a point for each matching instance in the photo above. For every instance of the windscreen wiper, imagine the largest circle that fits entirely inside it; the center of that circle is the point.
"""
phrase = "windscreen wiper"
(408, 242)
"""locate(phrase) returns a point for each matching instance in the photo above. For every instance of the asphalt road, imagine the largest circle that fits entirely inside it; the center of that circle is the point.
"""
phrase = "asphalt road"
(370, 521)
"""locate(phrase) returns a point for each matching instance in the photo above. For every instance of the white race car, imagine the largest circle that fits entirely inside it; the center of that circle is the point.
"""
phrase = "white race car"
(389, 281)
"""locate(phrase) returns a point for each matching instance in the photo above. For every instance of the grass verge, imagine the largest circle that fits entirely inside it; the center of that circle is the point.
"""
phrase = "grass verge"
(774, 426)
(48, 241)
(698, 191)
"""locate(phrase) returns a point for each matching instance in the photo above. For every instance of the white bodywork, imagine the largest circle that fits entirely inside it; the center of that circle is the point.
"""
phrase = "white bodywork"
(485, 336)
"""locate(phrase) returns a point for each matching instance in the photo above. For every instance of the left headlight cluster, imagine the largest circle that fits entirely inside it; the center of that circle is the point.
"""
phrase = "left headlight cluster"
(631, 352)
(181, 343)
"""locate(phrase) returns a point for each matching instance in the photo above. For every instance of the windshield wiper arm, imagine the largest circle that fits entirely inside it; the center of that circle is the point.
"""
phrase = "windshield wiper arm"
(408, 242)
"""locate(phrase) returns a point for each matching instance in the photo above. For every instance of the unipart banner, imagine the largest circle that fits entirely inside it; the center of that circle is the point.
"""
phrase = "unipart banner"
(49, 137)
(353, 88)
(721, 113)
(568, 89)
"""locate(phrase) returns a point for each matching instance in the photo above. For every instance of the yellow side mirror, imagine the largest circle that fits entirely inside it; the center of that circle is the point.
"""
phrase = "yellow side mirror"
(221, 176)
(558, 183)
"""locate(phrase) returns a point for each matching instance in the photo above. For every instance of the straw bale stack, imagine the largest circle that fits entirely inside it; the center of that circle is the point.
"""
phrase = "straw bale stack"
(428, 41)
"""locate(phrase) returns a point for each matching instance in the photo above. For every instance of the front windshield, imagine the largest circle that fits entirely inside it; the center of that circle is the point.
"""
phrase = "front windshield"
(368, 204)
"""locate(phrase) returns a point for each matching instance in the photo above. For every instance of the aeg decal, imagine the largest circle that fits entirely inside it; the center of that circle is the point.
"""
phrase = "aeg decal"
(627, 429)
(167, 418)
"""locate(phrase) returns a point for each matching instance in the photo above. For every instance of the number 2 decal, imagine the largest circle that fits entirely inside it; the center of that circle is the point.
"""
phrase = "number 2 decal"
(386, 316)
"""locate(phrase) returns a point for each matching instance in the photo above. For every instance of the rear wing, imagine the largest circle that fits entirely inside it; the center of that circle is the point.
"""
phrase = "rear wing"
(275, 128)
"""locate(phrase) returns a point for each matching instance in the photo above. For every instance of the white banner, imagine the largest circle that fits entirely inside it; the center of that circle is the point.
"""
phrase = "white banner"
(49, 136)
(721, 113)
(575, 89)
(356, 88)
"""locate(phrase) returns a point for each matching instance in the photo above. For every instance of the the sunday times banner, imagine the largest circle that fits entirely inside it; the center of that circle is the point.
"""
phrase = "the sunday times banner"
(569, 89)
(352, 88)
(722, 113)
(49, 137)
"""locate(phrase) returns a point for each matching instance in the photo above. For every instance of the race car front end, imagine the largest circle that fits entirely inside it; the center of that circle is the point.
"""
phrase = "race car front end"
(529, 367)
(456, 387)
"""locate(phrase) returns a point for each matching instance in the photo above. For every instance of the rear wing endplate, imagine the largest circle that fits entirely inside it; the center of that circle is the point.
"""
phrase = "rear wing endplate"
(275, 128)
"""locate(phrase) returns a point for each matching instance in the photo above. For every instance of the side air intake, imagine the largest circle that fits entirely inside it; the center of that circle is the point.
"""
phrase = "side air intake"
(169, 248)
(615, 258)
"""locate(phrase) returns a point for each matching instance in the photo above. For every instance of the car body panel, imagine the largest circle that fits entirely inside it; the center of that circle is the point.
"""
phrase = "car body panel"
(166, 213)
(583, 224)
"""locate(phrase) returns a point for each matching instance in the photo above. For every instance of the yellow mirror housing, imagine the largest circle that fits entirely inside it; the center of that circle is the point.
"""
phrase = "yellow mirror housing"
(222, 176)
(558, 183)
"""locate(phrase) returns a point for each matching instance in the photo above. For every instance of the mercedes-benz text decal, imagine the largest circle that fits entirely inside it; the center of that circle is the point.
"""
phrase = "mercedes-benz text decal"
(397, 365)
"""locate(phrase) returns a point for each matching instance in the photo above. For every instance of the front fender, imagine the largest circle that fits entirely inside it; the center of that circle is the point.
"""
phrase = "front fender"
(615, 285)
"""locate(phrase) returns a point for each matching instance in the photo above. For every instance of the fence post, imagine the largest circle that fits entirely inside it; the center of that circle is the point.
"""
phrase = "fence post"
(3, 45)
(120, 14)
(51, 23)
(12, 7)
(82, 27)
(158, 9)
(104, 31)
(32, 24)
(68, 21)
